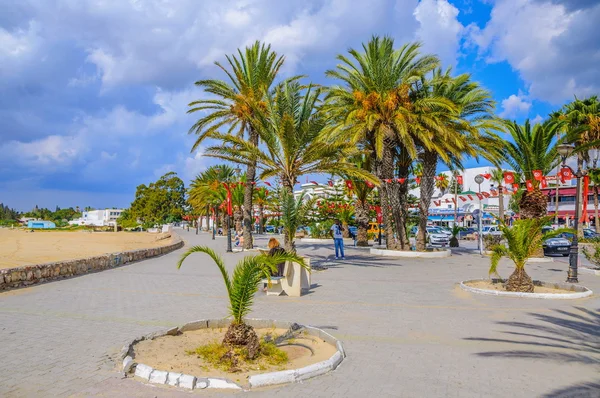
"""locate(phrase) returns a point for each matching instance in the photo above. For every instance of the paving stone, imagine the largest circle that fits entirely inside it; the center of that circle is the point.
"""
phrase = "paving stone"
(187, 381)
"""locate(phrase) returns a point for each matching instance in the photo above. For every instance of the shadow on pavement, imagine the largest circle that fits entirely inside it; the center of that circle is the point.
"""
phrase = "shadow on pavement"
(565, 336)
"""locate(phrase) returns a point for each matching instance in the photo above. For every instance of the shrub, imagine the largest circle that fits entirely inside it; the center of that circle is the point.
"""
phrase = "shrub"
(490, 241)
(593, 255)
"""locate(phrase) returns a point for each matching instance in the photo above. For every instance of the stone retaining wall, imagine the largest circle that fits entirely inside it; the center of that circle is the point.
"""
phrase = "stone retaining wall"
(32, 274)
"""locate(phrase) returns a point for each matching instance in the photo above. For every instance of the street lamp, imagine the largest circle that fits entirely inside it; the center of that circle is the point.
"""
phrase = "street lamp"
(565, 150)
(478, 181)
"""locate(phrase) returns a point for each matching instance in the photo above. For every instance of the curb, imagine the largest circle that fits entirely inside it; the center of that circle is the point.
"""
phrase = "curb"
(149, 374)
(411, 254)
(582, 291)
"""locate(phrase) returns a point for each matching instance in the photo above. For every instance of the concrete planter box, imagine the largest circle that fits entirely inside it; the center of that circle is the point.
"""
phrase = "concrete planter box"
(411, 254)
(577, 291)
(175, 379)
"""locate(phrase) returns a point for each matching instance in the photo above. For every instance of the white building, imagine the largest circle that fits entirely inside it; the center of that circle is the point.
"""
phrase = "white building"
(98, 218)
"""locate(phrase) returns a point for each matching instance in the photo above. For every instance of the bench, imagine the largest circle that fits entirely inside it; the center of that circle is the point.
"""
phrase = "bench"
(294, 282)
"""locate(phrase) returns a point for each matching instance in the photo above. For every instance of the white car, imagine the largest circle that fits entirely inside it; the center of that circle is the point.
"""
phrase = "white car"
(435, 237)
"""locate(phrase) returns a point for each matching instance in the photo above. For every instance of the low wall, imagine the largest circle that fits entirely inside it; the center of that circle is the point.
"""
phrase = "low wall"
(32, 274)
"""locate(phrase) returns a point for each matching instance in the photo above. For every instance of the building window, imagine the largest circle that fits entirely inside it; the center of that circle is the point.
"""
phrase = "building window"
(566, 199)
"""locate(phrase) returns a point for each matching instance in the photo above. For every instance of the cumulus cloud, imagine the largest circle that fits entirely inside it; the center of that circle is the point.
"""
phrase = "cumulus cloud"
(553, 46)
(514, 106)
(439, 29)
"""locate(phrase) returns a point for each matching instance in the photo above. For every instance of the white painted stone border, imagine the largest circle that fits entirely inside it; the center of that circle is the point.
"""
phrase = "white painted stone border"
(540, 260)
(411, 254)
(321, 240)
(587, 270)
(581, 291)
(175, 379)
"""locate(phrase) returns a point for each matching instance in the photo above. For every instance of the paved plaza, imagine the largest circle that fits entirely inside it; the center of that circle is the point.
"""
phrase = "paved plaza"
(408, 329)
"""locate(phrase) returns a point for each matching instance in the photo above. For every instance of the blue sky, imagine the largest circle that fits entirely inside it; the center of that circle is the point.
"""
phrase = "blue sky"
(94, 92)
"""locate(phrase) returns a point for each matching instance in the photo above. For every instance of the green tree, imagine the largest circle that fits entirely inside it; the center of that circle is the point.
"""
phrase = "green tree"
(532, 148)
(251, 75)
(240, 291)
(442, 183)
(524, 240)
(295, 213)
(498, 178)
(161, 201)
(374, 109)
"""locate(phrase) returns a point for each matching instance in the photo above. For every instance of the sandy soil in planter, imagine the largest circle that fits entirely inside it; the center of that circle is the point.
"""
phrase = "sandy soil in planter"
(168, 353)
(489, 285)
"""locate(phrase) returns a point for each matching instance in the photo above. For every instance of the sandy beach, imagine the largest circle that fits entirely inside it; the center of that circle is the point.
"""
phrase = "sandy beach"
(19, 248)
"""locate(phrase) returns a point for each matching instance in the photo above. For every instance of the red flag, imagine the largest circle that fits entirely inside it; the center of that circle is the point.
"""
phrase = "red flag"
(267, 183)
(586, 183)
(369, 184)
(388, 180)
(529, 185)
(515, 187)
(438, 203)
(459, 179)
(349, 184)
(439, 178)
(487, 176)
(463, 198)
(537, 175)
(379, 215)
(544, 183)
(314, 182)
(565, 174)
(509, 177)
(330, 183)
(418, 180)
(470, 197)
(485, 194)
(401, 180)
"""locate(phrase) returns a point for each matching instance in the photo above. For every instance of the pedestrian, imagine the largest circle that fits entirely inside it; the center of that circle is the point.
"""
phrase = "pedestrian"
(338, 239)
(275, 249)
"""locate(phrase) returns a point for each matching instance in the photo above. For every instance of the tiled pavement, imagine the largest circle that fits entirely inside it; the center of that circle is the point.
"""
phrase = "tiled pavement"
(409, 331)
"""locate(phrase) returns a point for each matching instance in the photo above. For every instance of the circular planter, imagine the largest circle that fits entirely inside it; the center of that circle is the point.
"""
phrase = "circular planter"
(176, 379)
(540, 260)
(411, 254)
(577, 291)
(315, 240)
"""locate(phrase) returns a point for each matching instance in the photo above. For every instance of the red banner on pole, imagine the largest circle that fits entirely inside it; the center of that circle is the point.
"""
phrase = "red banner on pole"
(369, 184)
(515, 187)
(349, 184)
(529, 185)
(509, 177)
(379, 215)
(487, 176)
(418, 180)
(459, 179)
(565, 174)
(544, 183)
(401, 180)
(538, 175)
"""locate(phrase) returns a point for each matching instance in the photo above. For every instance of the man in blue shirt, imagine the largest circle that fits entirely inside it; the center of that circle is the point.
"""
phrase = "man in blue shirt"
(338, 239)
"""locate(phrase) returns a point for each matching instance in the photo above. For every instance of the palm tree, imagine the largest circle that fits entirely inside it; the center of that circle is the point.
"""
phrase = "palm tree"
(532, 148)
(374, 109)
(296, 140)
(498, 178)
(442, 183)
(295, 213)
(362, 191)
(240, 291)
(251, 75)
(524, 240)
(464, 116)
(261, 198)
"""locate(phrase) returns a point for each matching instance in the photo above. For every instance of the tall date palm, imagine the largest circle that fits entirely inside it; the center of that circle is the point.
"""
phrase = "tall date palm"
(250, 75)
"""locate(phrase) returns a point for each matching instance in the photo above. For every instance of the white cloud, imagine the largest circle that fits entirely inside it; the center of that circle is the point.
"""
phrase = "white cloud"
(514, 105)
(554, 49)
(51, 153)
(537, 119)
(439, 29)
(17, 48)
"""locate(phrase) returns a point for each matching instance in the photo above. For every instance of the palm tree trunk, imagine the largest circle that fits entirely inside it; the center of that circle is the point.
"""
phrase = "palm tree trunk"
(288, 236)
(390, 203)
(345, 232)
(362, 219)
(261, 218)
(519, 281)
(249, 193)
(403, 172)
(427, 186)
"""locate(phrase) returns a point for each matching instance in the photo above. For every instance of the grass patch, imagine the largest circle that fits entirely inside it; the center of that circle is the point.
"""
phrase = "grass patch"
(235, 360)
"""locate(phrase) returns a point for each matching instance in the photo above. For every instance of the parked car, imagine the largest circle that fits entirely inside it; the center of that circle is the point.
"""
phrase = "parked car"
(353, 231)
(590, 233)
(467, 231)
(556, 246)
(491, 230)
(435, 237)
(443, 230)
(270, 229)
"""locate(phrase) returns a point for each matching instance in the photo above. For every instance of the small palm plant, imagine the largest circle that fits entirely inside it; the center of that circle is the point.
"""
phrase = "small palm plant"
(241, 289)
(524, 239)
(455, 231)
(294, 214)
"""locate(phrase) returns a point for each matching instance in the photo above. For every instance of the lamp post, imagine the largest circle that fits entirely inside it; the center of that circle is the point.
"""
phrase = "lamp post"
(565, 150)
(478, 181)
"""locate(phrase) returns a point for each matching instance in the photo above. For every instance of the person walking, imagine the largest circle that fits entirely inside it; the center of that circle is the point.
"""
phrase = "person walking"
(338, 239)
